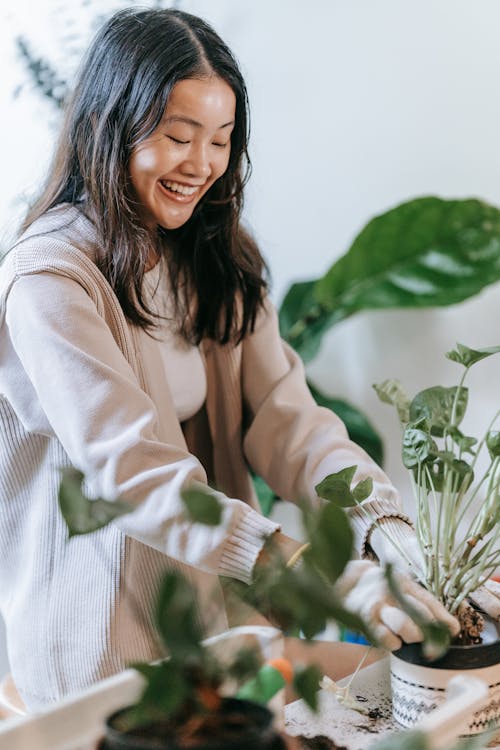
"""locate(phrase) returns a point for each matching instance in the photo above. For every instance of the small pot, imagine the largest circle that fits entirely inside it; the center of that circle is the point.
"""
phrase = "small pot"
(419, 686)
(256, 731)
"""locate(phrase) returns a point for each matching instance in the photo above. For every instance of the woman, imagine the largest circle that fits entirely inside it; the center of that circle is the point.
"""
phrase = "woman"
(138, 344)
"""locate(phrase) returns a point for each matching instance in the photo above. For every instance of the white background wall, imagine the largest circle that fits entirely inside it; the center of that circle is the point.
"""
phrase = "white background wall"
(357, 105)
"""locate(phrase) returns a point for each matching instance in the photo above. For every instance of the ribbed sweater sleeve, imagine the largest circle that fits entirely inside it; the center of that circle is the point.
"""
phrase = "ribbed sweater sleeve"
(81, 383)
(293, 442)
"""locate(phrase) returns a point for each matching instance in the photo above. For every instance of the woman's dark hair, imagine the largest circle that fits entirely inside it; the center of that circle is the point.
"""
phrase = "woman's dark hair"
(119, 99)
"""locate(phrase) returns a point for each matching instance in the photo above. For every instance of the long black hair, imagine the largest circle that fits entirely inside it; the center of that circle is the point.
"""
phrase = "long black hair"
(218, 276)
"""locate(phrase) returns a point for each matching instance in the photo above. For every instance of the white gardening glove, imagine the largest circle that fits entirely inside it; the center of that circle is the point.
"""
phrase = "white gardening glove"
(487, 598)
(364, 589)
(409, 561)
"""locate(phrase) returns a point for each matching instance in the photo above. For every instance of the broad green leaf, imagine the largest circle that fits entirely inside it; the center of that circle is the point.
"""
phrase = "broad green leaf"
(177, 617)
(202, 506)
(468, 357)
(360, 430)
(302, 320)
(493, 443)
(363, 490)
(418, 447)
(423, 253)
(167, 687)
(391, 392)
(436, 404)
(337, 487)
(245, 664)
(409, 740)
(464, 442)
(331, 542)
(306, 684)
(81, 514)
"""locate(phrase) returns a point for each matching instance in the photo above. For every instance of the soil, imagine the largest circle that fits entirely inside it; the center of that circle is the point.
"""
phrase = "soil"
(319, 743)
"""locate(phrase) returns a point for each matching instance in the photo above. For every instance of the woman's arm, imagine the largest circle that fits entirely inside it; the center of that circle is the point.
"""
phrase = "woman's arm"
(109, 427)
(292, 442)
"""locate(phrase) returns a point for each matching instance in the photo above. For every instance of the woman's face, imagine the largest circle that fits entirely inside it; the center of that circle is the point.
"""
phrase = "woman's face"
(179, 162)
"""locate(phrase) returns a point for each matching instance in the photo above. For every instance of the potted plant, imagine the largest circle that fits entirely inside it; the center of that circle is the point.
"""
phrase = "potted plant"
(457, 501)
(192, 698)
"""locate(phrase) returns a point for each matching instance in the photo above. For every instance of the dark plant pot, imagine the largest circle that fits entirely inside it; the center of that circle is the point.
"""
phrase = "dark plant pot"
(244, 726)
(419, 686)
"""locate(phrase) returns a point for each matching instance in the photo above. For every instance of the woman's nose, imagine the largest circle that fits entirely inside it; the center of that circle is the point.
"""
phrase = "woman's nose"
(198, 164)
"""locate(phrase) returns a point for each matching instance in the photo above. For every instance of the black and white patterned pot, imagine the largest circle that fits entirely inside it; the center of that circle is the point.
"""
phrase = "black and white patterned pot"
(418, 687)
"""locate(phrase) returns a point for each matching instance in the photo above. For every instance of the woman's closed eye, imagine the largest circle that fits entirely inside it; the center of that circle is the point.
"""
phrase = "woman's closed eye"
(177, 140)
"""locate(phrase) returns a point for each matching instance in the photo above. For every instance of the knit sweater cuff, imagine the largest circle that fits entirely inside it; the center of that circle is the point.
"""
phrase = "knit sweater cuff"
(245, 545)
(365, 517)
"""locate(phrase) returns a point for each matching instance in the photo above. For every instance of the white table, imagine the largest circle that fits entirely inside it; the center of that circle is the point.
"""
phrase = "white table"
(347, 727)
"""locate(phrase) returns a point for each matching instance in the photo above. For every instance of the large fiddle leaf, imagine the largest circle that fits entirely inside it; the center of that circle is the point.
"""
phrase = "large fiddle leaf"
(426, 252)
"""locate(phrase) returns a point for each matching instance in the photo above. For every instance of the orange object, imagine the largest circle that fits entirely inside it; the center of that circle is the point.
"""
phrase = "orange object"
(496, 578)
(283, 666)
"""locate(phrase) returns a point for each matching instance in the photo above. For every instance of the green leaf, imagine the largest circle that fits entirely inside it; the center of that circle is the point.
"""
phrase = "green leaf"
(331, 542)
(363, 489)
(425, 252)
(464, 442)
(83, 515)
(468, 357)
(302, 320)
(435, 405)
(245, 664)
(493, 443)
(177, 617)
(409, 740)
(360, 430)
(306, 684)
(167, 688)
(391, 392)
(337, 487)
(202, 505)
(418, 446)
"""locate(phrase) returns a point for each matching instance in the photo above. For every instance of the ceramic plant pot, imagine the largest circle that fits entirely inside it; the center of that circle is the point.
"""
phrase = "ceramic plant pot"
(244, 726)
(418, 686)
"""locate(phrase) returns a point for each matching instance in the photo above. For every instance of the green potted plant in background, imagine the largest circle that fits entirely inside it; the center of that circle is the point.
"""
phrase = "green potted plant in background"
(426, 252)
(458, 530)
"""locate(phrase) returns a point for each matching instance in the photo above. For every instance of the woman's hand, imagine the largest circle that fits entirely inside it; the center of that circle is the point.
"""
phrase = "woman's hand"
(364, 589)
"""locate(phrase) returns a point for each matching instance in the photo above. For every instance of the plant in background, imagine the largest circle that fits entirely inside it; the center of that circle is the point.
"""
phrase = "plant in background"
(426, 252)
(457, 502)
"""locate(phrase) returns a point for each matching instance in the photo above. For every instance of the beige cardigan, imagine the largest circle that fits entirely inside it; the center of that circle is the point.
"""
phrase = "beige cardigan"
(79, 385)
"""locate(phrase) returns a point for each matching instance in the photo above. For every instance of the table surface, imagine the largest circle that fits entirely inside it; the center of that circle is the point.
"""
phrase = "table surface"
(346, 727)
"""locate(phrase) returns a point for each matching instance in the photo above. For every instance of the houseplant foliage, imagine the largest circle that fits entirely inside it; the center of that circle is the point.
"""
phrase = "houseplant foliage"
(184, 694)
(460, 546)
(456, 484)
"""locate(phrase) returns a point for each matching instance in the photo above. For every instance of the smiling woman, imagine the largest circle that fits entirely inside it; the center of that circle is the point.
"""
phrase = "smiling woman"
(138, 344)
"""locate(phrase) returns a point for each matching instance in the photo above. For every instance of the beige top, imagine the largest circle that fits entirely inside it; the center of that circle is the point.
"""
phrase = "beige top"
(183, 363)
(80, 385)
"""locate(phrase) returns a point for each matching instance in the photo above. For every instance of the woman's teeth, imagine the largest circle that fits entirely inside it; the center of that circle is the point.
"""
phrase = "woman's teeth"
(175, 187)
